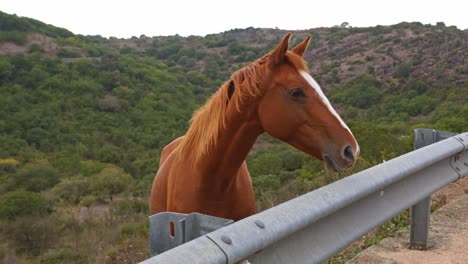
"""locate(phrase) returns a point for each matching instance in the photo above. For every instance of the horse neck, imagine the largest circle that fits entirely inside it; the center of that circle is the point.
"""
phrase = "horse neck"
(222, 162)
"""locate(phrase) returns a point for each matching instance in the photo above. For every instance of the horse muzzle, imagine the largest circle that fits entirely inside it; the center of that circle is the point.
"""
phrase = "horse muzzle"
(344, 159)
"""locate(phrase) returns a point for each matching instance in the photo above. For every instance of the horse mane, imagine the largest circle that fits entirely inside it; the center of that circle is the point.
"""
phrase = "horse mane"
(207, 122)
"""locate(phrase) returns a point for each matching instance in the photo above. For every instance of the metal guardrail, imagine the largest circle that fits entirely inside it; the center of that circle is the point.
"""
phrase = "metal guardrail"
(185, 227)
(314, 226)
(419, 226)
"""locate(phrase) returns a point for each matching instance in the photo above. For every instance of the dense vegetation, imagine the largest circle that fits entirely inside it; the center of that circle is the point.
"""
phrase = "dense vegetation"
(84, 119)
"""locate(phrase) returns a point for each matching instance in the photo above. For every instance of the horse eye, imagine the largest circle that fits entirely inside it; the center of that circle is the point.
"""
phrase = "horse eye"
(297, 92)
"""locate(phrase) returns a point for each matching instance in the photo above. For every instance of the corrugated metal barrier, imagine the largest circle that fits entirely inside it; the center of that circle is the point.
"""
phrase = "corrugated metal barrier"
(316, 225)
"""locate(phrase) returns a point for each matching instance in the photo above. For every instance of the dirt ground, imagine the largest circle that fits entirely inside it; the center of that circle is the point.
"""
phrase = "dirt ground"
(448, 235)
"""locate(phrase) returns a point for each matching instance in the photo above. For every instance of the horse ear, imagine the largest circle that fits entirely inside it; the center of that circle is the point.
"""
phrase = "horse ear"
(277, 55)
(301, 47)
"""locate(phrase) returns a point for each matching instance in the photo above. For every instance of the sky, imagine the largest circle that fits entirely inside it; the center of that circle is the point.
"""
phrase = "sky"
(124, 19)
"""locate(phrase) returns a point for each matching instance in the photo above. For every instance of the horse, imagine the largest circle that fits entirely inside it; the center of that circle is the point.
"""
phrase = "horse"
(205, 170)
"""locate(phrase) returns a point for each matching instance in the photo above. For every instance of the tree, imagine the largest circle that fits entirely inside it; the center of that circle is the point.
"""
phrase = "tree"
(265, 163)
(35, 177)
(361, 92)
(22, 203)
(37, 136)
(110, 181)
(264, 183)
(291, 159)
(36, 48)
(32, 235)
(129, 208)
(87, 201)
(68, 53)
(403, 71)
(72, 190)
(109, 103)
(6, 70)
(8, 165)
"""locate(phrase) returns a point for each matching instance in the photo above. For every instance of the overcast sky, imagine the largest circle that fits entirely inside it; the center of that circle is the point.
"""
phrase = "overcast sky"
(124, 19)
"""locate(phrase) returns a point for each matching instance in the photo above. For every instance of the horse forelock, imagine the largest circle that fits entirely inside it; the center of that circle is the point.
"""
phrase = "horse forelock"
(297, 62)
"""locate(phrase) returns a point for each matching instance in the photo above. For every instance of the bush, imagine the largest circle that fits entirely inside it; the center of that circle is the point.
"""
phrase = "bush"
(16, 37)
(378, 144)
(22, 203)
(110, 181)
(88, 200)
(6, 70)
(59, 257)
(89, 167)
(132, 230)
(265, 163)
(8, 165)
(129, 208)
(36, 48)
(416, 85)
(265, 183)
(109, 103)
(35, 177)
(72, 190)
(3, 252)
(403, 71)
(32, 235)
(291, 159)
(68, 53)
(362, 92)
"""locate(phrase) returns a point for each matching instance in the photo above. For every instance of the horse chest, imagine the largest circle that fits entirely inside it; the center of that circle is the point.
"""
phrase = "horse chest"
(235, 203)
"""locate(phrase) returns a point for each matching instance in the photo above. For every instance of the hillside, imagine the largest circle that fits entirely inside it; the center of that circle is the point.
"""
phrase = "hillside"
(84, 119)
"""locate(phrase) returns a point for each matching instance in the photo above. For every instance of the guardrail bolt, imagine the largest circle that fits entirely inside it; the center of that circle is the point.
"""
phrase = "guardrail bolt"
(259, 223)
(226, 239)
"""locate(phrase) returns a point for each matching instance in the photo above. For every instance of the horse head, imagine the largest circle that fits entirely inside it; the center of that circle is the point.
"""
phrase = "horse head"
(294, 109)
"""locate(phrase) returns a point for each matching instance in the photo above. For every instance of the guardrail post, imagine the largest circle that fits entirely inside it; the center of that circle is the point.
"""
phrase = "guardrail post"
(419, 227)
(419, 237)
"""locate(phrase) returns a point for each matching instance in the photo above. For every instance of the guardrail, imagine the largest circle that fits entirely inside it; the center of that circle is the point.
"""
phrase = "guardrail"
(314, 226)
(419, 226)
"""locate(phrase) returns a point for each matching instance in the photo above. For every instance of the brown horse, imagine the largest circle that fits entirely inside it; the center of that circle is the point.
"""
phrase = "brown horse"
(205, 170)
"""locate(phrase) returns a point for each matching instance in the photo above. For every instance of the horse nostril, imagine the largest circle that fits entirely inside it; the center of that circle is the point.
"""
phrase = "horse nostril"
(348, 153)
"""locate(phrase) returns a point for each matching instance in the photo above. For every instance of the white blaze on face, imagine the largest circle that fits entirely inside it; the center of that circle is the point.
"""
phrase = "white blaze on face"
(322, 96)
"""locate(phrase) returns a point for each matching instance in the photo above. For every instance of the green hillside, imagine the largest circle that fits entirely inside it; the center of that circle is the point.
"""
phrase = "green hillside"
(84, 120)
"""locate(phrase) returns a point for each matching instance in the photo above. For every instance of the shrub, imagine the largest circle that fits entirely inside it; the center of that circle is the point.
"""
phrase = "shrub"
(22, 203)
(265, 183)
(59, 256)
(110, 181)
(36, 48)
(132, 230)
(68, 53)
(88, 200)
(32, 235)
(129, 208)
(265, 163)
(109, 103)
(362, 92)
(403, 71)
(35, 177)
(72, 190)
(16, 37)
(291, 159)
(8, 165)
